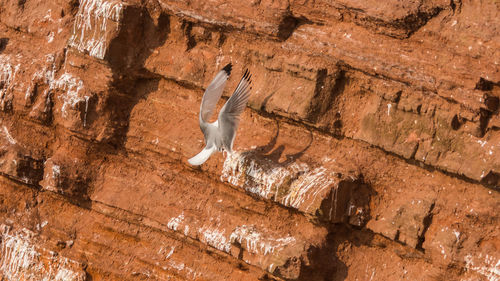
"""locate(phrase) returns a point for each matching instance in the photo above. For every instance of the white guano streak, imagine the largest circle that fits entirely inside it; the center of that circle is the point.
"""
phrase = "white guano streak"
(256, 243)
(265, 180)
(9, 138)
(490, 268)
(72, 86)
(8, 73)
(66, 82)
(309, 186)
(173, 223)
(215, 238)
(89, 30)
(20, 260)
(257, 179)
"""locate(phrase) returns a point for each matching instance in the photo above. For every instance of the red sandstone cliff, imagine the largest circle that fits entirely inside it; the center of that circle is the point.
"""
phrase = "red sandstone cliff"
(369, 149)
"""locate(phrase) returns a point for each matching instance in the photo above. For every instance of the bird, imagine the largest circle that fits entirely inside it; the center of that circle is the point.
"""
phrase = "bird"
(219, 135)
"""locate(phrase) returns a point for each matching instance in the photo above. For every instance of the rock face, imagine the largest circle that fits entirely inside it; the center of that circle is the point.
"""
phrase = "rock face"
(368, 151)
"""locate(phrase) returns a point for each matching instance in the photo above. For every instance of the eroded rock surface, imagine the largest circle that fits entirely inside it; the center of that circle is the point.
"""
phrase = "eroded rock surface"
(368, 150)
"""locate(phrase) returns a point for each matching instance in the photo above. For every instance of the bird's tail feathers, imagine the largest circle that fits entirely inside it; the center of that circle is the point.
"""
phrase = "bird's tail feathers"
(203, 156)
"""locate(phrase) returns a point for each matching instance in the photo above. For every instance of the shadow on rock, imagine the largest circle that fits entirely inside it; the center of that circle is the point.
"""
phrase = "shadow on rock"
(139, 36)
(3, 44)
(273, 153)
(325, 262)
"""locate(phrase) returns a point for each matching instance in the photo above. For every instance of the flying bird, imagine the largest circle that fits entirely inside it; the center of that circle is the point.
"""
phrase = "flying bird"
(220, 134)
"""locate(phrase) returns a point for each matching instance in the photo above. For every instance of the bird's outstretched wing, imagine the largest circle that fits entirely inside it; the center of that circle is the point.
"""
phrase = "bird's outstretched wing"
(201, 157)
(213, 93)
(229, 116)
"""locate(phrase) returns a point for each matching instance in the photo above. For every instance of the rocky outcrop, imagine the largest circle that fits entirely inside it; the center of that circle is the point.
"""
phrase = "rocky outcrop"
(367, 151)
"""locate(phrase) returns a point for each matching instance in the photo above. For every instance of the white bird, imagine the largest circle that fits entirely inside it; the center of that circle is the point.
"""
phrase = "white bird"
(220, 134)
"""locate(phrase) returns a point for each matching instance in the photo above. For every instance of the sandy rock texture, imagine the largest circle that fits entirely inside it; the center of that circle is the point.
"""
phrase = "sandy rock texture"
(369, 149)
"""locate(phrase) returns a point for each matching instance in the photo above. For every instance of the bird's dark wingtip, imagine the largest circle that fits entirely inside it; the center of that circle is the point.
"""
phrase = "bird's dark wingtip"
(228, 68)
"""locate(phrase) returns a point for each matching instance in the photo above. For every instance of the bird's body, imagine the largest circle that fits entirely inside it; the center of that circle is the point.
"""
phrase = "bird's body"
(220, 134)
